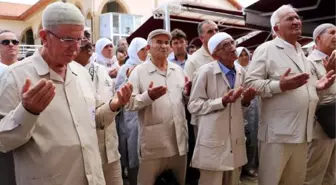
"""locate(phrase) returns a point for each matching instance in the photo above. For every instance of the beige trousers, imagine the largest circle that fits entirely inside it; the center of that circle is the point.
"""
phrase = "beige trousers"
(219, 177)
(282, 164)
(149, 170)
(112, 173)
(321, 165)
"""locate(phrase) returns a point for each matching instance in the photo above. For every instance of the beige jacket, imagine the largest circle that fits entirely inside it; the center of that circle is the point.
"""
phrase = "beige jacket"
(163, 128)
(286, 117)
(326, 96)
(195, 61)
(107, 136)
(220, 144)
(60, 145)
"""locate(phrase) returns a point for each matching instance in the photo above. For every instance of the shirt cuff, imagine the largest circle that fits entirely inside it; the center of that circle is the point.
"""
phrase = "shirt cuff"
(24, 118)
(218, 104)
(144, 97)
(275, 87)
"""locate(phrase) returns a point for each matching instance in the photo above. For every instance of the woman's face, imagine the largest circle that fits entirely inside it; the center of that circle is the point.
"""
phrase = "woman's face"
(142, 54)
(243, 58)
(108, 51)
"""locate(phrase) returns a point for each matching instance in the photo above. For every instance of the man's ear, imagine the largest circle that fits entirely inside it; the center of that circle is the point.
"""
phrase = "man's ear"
(43, 36)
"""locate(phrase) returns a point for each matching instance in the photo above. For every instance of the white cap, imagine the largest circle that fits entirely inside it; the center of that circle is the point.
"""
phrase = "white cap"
(216, 39)
(318, 30)
(59, 13)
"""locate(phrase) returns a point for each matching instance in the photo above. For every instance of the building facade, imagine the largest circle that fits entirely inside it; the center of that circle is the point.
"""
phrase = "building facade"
(127, 15)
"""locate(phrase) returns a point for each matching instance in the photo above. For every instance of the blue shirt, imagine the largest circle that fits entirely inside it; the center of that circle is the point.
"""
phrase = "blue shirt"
(229, 73)
(172, 58)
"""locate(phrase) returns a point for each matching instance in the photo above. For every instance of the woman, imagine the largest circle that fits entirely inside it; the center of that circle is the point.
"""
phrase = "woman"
(251, 119)
(128, 121)
(104, 56)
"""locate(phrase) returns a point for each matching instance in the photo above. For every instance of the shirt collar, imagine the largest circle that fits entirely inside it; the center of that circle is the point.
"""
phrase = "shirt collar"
(225, 69)
(319, 54)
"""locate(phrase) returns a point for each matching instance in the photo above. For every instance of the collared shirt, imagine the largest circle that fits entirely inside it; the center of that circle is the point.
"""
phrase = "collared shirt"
(319, 54)
(3, 67)
(163, 125)
(229, 73)
(172, 58)
(59, 146)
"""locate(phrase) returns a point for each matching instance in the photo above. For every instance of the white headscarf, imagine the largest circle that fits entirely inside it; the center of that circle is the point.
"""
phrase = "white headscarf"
(239, 50)
(136, 45)
(100, 45)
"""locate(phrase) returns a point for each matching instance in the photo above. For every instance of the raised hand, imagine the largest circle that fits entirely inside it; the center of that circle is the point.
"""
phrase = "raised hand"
(187, 86)
(292, 82)
(248, 95)
(330, 64)
(156, 92)
(122, 98)
(232, 96)
(326, 81)
(36, 99)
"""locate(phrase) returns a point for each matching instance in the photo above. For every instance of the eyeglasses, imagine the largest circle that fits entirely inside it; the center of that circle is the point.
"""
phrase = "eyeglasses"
(6, 42)
(69, 40)
(226, 45)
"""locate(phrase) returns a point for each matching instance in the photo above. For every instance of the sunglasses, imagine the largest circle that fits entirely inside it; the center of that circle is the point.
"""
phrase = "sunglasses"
(7, 42)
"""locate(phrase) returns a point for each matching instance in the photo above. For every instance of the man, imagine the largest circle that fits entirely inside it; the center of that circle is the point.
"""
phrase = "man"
(50, 110)
(216, 100)
(179, 56)
(191, 49)
(179, 46)
(206, 30)
(9, 46)
(321, 169)
(107, 136)
(159, 95)
(282, 76)
(122, 43)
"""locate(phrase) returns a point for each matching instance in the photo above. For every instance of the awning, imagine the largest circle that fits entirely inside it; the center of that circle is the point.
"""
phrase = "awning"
(313, 12)
(190, 16)
(253, 42)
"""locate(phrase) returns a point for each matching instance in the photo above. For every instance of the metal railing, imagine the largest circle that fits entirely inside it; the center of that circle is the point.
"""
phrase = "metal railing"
(24, 48)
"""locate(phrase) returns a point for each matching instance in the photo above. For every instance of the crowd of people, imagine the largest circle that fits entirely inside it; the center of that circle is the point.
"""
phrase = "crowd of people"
(159, 109)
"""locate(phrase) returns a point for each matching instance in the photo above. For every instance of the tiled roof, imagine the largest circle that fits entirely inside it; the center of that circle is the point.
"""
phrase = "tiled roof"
(13, 9)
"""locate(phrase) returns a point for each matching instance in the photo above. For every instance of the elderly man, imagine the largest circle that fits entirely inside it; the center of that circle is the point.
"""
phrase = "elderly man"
(282, 76)
(321, 166)
(50, 110)
(216, 100)
(9, 46)
(206, 30)
(159, 95)
(179, 46)
(107, 136)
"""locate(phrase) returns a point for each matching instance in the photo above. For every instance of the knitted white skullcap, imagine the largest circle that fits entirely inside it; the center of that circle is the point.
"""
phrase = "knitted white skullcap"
(216, 39)
(59, 13)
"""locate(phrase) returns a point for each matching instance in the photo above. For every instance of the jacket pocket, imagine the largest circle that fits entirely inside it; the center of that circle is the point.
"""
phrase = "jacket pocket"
(213, 153)
(287, 125)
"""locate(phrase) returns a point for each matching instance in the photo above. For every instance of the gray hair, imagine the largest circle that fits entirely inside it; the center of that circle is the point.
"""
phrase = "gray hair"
(200, 26)
(275, 18)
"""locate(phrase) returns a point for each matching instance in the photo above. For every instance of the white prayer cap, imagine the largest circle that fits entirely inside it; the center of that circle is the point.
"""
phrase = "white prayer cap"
(216, 39)
(59, 13)
(321, 28)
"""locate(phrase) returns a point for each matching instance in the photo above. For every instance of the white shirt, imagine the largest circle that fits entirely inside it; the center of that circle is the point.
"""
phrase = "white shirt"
(3, 67)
